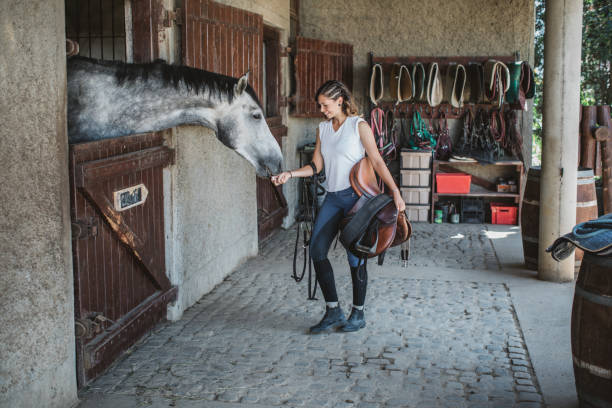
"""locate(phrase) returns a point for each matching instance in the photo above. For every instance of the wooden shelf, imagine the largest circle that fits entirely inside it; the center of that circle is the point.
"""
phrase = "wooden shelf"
(479, 187)
(487, 194)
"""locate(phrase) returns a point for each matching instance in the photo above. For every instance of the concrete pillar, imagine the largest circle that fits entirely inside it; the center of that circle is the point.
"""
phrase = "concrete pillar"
(562, 50)
(37, 354)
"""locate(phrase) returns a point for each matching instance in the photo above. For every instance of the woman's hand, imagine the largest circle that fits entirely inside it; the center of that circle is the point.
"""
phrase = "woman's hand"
(281, 178)
(399, 201)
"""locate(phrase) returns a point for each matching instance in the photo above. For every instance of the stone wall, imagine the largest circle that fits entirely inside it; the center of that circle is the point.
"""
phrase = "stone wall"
(37, 357)
(433, 28)
(211, 203)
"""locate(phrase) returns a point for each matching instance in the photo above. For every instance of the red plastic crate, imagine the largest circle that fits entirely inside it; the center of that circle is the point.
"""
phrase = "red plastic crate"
(503, 214)
(453, 183)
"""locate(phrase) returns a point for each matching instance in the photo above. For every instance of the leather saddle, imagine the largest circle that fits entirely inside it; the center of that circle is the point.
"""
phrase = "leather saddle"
(454, 84)
(434, 91)
(376, 84)
(497, 82)
(373, 224)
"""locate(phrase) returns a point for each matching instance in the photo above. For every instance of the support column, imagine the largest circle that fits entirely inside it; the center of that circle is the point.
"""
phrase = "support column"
(562, 51)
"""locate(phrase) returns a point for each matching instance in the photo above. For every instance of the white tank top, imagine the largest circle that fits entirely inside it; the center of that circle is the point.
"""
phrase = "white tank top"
(341, 150)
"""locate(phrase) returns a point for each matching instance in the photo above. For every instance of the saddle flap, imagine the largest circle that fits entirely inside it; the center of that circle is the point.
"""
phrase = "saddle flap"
(363, 178)
(370, 226)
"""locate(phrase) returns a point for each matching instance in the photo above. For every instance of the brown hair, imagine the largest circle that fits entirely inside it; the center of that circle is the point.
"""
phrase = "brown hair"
(335, 89)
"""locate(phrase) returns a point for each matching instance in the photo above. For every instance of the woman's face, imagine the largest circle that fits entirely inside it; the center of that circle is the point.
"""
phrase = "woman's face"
(330, 107)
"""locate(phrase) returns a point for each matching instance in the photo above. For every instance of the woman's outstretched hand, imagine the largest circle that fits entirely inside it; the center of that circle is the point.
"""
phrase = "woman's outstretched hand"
(281, 178)
(399, 201)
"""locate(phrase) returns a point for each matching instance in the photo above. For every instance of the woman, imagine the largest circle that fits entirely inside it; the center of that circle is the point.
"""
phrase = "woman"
(342, 140)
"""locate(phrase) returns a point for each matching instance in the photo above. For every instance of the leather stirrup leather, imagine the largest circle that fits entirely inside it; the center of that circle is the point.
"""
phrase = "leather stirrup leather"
(497, 81)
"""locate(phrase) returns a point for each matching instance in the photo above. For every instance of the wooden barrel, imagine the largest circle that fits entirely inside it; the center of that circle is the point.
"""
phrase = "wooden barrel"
(592, 332)
(586, 209)
(530, 218)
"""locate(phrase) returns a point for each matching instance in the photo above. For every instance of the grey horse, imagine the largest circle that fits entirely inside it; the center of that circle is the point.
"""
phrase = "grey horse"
(111, 99)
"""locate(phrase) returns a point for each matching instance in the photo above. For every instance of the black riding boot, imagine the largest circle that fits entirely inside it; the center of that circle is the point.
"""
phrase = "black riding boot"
(333, 318)
(355, 321)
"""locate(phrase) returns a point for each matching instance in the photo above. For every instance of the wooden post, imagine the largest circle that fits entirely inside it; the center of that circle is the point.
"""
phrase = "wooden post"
(603, 118)
(588, 142)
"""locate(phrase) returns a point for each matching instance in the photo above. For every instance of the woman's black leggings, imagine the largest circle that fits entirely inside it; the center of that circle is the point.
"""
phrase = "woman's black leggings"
(325, 277)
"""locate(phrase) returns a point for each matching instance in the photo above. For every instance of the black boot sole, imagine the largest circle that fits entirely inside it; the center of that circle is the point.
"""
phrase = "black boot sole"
(313, 330)
(349, 329)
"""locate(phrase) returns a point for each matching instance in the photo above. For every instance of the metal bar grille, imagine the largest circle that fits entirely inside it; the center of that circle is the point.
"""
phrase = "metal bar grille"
(98, 26)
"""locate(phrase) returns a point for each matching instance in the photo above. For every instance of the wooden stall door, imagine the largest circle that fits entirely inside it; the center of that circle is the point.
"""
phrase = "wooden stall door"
(317, 61)
(229, 41)
(121, 288)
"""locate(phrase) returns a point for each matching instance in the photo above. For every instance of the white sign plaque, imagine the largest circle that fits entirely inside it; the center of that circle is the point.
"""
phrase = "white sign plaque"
(130, 197)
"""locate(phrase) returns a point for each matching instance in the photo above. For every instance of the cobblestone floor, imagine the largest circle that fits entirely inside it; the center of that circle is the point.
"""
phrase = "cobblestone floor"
(428, 343)
(459, 246)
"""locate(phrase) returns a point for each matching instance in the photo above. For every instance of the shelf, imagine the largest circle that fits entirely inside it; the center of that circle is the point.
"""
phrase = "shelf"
(487, 194)
(480, 186)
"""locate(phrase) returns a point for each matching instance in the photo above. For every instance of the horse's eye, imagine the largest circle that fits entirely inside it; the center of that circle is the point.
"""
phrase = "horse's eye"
(257, 115)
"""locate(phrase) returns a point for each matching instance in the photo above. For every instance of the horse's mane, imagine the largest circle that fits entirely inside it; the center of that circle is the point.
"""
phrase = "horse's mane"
(194, 79)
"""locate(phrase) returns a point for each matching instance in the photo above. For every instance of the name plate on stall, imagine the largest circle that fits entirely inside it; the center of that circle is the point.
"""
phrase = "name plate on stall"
(130, 197)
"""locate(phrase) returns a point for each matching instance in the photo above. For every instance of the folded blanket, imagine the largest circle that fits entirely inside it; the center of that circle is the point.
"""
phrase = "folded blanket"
(593, 236)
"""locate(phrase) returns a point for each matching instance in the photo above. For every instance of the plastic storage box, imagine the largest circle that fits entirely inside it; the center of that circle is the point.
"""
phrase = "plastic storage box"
(416, 159)
(503, 214)
(417, 213)
(415, 178)
(416, 195)
(472, 211)
(453, 183)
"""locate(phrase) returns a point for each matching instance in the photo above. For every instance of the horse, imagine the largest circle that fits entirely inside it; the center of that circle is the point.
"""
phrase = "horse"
(108, 99)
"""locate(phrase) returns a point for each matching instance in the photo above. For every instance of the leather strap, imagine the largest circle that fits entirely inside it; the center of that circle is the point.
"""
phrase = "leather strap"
(497, 81)
(434, 91)
(376, 84)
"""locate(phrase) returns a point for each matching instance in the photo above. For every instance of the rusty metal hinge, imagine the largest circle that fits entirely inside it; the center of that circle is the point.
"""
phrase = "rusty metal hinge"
(172, 16)
(90, 326)
(84, 228)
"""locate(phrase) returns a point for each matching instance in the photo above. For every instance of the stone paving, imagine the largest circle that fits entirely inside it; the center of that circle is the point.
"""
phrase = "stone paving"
(428, 343)
(458, 246)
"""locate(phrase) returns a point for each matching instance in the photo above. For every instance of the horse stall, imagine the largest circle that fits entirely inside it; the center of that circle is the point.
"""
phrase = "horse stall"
(139, 214)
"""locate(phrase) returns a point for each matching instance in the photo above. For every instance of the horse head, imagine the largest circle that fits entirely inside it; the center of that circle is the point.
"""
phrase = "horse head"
(241, 126)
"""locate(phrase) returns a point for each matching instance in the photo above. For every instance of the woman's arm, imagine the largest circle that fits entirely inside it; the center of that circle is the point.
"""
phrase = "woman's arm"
(305, 171)
(367, 139)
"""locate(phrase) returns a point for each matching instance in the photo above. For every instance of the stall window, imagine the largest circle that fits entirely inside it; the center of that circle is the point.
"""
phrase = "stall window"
(99, 27)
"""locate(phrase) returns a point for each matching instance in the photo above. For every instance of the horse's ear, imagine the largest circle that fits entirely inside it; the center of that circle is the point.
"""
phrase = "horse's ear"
(242, 84)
